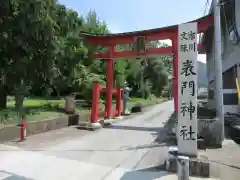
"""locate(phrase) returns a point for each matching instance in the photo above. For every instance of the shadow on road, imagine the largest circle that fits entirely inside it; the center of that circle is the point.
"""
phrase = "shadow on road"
(125, 148)
(144, 174)
(132, 128)
(171, 121)
(10, 176)
(161, 133)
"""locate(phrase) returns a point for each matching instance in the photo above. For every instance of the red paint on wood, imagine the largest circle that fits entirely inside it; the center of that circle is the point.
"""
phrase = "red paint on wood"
(109, 87)
(95, 102)
(175, 72)
(151, 51)
(153, 34)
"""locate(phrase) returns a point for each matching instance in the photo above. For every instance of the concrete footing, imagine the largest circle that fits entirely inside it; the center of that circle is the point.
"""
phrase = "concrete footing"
(106, 122)
(126, 113)
(118, 117)
(198, 166)
(90, 126)
(94, 126)
(209, 130)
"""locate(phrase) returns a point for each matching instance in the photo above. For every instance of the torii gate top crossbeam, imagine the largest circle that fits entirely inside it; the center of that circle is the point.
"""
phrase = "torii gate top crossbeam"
(153, 34)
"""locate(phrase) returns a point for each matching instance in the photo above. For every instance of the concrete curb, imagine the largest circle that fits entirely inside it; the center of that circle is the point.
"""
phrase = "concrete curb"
(12, 132)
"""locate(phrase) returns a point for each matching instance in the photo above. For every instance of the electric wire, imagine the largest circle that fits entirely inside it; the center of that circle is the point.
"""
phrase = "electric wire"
(204, 9)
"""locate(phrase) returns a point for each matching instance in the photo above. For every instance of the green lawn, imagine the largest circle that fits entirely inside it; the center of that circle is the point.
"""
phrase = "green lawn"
(36, 109)
(34, 102)
(145, 101)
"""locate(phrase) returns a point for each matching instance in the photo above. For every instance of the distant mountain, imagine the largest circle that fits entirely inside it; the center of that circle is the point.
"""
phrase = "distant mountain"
(202, 74)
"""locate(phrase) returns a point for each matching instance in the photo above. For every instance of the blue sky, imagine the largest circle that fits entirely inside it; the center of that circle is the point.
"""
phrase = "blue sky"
(130, 15)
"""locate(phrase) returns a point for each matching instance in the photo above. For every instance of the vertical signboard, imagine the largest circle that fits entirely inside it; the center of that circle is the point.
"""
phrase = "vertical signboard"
(187, 89)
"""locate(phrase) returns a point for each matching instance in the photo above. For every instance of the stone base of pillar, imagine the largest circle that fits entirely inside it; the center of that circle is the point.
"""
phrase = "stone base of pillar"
(94, 126)
(126, 113)
(89, 126)
(118, 117)
(106, 122)
(209, 130)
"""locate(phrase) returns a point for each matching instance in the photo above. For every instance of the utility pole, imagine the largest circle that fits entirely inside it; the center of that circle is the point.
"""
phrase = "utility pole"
(218, 64)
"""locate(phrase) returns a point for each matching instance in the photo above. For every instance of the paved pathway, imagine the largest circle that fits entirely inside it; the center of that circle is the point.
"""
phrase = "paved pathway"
(124, 151)
(225, 162)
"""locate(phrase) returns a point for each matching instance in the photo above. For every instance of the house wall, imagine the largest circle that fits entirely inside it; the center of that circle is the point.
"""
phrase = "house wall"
(230, 58)
(237, 13)
(230, 99)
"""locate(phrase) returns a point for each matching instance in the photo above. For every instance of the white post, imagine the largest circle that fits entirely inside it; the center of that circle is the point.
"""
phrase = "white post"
(172, 157)
(183, 168)
(218, 64)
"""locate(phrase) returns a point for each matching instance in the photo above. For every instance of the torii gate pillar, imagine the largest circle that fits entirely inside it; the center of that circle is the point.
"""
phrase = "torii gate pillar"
(109, 75)
(175, 72)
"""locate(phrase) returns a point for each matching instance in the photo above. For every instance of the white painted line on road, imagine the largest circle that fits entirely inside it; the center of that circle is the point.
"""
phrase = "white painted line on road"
(40, 167)
(4, 147)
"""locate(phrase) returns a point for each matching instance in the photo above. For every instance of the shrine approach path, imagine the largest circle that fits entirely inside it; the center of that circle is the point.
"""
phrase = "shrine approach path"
(126, 150)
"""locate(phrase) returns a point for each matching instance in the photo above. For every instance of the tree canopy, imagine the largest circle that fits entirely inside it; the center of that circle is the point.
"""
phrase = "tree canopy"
(43, 53)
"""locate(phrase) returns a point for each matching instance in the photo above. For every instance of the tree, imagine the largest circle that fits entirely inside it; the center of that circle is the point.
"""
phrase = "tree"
(27, 34)
(43, 52)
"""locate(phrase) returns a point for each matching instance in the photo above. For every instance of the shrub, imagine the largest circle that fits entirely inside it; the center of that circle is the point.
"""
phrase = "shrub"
(165, 94)
(137, 108)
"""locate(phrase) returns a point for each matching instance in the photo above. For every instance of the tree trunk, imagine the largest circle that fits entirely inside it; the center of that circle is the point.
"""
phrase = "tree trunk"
(3, 97)
(19, 98)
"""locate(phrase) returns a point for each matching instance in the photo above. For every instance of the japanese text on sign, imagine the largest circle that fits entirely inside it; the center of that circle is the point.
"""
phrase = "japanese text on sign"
(187, 85)
(187, 133)
(187, 109)
(187, 47)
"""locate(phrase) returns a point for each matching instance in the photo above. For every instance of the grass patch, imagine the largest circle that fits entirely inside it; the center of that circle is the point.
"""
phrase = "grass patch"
(38, 109)
(34, 109)
(152, 101)
(43, 115)
(35, 102)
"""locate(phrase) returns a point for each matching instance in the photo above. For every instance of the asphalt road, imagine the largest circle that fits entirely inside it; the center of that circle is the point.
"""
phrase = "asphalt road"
(126, 150)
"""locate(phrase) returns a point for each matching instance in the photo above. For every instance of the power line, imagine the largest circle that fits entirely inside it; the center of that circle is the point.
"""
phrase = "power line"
(207, 4)
(204, 10)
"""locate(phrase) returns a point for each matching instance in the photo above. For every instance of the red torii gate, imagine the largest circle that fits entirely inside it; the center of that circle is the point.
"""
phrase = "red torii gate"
(111, 40)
